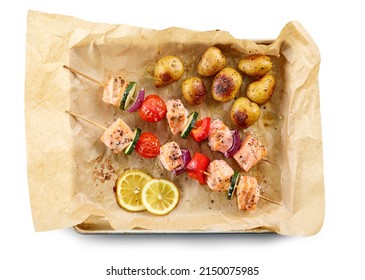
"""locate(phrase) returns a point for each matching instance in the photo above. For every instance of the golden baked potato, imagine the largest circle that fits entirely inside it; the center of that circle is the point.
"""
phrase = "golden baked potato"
(261, 90)
(255, 65)
(167, 70)
(211, 62)
(194, 90)
(226, 84)
(244, 113)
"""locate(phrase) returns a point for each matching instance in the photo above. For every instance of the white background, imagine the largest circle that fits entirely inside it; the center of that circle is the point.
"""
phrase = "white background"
(338, 29)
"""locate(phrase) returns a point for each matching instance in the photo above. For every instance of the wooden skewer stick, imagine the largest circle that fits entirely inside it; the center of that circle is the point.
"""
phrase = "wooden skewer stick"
(269, 200)
(84, 75)
(269, 161)
(86, 120)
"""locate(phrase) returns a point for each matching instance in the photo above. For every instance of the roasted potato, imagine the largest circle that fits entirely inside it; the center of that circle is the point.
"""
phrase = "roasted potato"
(194, 90)
(167, 70)
(211, 62)
(255, 65)
(261, 90)
(226, 84)
(244, 113)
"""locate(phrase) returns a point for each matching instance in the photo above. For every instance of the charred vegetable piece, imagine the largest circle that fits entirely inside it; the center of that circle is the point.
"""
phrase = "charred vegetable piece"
(191, 122)
(244, 113)
(200, 131)
(261, 90)
(226, 84)
(194, 90)
(168, 70)
(211, 62)
(132, 145)
(137, 101)
(186, 157)
(128, 95)
(233, 185)
(148, 145)
(255, 65)
(197, 166)
(235, 146)
(152, 109)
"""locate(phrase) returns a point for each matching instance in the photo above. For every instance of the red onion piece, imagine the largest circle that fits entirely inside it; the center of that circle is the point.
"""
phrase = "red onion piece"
(186, 157)
(235, 146)
(137, 103)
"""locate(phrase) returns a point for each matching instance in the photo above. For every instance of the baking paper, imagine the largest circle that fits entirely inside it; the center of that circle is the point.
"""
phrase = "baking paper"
(71, 173)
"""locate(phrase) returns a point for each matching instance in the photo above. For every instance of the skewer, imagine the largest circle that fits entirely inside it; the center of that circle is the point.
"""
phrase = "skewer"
(268, 161)
(103, 85)
(269, 200)
(104, 128)
(118, 137)
(86, 120)
(84, 75)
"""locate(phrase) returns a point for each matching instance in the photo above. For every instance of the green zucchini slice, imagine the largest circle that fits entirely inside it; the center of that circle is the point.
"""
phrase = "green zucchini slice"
(232, 187)
(132, 145)
(128, 95)
(191, 122)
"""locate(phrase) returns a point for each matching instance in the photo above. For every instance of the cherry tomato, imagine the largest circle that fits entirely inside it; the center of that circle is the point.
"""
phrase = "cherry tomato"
(196, 167)
(201, 129)
(153, 109)
(148, 145)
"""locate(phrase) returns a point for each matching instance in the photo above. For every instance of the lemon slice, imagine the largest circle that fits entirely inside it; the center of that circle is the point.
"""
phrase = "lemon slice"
(160, 196)
(128, 190)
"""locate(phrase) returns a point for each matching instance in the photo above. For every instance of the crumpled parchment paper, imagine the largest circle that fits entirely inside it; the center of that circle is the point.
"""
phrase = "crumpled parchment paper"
(71, 174)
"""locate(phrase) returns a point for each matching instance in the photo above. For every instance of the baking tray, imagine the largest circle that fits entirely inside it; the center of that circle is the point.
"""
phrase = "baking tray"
(100, 225)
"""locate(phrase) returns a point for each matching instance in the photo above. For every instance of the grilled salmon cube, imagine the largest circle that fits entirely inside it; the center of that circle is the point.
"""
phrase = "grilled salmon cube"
(177, 115)
(220, 176)
(170, 156)
(113, 90)
(117, 136)
(220, 137)
(250, 152)
(248, 193)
